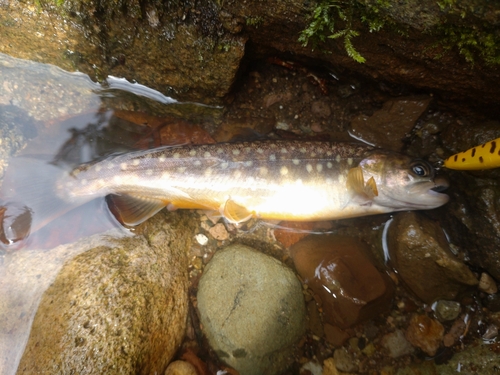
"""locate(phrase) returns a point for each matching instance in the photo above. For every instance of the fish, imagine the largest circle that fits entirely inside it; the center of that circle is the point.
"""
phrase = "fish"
(485, 156)
(270, 180)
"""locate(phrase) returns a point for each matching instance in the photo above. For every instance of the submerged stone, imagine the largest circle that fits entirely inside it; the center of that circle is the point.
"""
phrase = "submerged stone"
(339, 271)
(425, 333)
(388, 126)
(252, 310)
(421, 255)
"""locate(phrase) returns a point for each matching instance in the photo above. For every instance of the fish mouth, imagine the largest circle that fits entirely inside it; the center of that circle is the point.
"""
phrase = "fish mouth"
(426, 195)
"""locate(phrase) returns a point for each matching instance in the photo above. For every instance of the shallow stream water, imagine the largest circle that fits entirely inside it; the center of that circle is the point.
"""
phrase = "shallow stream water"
(63, 119)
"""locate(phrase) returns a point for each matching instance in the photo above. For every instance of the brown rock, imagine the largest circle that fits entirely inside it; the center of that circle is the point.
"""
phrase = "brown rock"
(425, 333)
(421, 255)
(487, 284)
(339, 271)
(115, 309)
(388, 126)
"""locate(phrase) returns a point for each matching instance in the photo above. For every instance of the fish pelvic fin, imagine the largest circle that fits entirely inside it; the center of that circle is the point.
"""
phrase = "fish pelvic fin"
(234, 212)
(356, 184)
(133, 210)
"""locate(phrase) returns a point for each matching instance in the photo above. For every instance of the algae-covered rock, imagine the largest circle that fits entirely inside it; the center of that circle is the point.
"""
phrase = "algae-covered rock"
(117, 309)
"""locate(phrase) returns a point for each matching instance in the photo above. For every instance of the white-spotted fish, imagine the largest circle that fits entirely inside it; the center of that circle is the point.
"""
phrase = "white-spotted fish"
(286, 180)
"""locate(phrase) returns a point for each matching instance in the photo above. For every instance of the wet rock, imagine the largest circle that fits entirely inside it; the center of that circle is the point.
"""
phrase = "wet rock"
(475, 199)
(491, 332)
(116, 309)
(396, 344)
(339, 271)
(252, 310)
(388, 126)
(447, 310)
(487, 284)
(425, 333)
(421, 255)
(344, 361)
(321, 109)
(181, 368)
(219, 232)
(456, 331)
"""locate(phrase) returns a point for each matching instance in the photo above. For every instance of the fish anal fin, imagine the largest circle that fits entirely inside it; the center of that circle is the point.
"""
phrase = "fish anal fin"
(235, 213)
(133, 210)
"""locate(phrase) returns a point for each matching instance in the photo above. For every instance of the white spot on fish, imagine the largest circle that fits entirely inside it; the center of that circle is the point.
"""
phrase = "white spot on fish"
(149, 172)
(296, 161)
(123, 166)
(192, 152)
(110, 165)
(98, 168)
(247, 149)
(220, 150)
(236, 151)
(263, 171)
(181, 169)
(237, 174)
(208, 172)
(337, 158)
(302, 150)
(283, 150)
(135, 162)
(319, 167)
(162, 158)
(341, 178)
(207, 154)
(309, 168)
(260, 151)
(224, 165)
(349, 161)
(272, 157)
(197, 163)
(101, 182)
(283, 171)
(329, 153)
(329, 164)
(165, 175)
(248, 163)
(176, 156)
(313, 154)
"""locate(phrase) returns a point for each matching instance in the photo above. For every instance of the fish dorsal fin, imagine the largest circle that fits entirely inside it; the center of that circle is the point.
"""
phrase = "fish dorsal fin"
(356, 183)
(234, 212)
(133, 210)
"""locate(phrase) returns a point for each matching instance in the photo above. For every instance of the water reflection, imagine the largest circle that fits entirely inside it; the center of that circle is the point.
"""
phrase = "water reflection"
(61, 120)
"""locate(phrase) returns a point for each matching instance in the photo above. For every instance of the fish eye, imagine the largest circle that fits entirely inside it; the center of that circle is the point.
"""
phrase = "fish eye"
(422, 169)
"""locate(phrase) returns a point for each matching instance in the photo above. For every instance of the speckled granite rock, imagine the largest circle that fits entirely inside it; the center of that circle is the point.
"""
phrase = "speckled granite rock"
(117, 309)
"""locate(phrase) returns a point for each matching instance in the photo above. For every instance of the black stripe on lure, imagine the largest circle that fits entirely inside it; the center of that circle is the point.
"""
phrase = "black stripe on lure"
(485, 156)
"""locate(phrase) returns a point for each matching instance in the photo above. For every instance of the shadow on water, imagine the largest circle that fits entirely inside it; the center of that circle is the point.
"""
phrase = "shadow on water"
(35, 245)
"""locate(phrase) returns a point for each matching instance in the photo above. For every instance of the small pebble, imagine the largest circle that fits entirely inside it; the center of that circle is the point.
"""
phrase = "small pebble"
(396, 344)
(201, 239)
(446, 310)
(491, 332)
(180, 368)
(219, 232)
(425, 333)
(282, 126)
(487, 284)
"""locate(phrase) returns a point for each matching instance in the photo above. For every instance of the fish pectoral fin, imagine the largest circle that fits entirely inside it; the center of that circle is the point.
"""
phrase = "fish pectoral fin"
(356, 184)
(133, 210)
(234, 212)
(371, 188)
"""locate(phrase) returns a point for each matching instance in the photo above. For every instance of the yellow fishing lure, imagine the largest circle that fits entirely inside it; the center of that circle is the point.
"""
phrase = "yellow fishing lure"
(485, 156)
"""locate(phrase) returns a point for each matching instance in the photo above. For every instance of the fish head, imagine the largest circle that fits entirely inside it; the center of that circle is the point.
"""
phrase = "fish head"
(404, 183)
